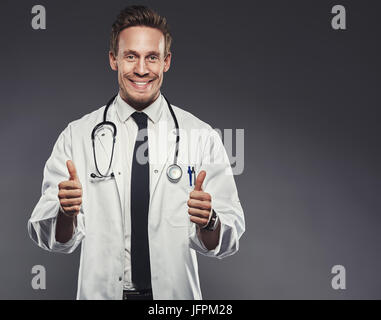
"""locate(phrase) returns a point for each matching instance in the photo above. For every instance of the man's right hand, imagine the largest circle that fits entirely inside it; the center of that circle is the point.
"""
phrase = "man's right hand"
(70, 192)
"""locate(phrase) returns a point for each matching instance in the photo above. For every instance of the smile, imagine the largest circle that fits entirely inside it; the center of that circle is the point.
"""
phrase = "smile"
(140, 84)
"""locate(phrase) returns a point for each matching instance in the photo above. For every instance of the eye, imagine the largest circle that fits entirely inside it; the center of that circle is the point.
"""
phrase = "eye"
(153, 58)
(130, 57)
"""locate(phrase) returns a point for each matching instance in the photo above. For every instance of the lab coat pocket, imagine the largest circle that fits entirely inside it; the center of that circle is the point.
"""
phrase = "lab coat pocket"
(178, 196)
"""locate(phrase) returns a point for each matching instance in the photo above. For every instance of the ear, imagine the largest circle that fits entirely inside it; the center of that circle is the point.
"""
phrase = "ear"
(113, 63)
(167, 61)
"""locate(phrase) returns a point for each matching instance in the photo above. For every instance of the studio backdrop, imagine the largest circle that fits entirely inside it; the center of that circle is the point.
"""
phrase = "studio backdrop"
(296, 83)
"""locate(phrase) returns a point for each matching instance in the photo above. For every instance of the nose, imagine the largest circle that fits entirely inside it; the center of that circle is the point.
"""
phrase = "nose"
(141, 68)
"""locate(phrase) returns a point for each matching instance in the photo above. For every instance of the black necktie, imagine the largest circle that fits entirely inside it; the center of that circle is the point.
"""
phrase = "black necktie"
(140, 260)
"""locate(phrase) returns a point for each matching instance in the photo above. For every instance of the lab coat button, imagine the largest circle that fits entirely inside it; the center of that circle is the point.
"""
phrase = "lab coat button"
(120, 278)
(156, 171)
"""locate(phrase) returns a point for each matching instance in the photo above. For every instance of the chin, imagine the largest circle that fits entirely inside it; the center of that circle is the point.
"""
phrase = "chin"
(140, 100)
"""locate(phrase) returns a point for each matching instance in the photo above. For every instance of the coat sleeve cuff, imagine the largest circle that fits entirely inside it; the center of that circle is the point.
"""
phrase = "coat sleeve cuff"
(199, 246)
(68, 246)
(43, 231)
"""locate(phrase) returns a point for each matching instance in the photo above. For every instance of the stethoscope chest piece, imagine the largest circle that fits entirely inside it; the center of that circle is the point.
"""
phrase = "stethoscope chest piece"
(174, 173)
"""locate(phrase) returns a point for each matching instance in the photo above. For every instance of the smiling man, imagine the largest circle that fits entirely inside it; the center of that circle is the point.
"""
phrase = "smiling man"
(141, 58)
(139, 222)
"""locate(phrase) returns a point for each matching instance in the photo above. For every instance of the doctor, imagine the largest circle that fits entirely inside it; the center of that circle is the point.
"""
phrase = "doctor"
(139, 229)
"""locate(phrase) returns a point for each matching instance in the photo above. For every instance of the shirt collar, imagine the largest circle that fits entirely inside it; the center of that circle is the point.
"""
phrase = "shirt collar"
(124, 110)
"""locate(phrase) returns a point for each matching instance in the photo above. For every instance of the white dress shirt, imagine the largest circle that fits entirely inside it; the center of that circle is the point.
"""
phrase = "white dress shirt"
(128, 137)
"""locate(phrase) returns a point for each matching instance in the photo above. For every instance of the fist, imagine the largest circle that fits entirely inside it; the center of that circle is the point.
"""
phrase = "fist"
(199, 203)
(70, 192)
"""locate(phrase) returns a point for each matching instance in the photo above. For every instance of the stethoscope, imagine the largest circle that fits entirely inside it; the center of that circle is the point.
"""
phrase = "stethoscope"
(174, 172)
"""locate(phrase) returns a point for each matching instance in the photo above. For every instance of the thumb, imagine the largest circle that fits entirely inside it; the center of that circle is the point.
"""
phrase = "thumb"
(200, 179)
(72, 171)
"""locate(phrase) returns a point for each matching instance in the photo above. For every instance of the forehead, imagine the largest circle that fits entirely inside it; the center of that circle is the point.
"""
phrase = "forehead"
(141, 39)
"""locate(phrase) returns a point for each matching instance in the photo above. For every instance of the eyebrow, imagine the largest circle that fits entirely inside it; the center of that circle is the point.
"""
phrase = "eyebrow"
(149, 53)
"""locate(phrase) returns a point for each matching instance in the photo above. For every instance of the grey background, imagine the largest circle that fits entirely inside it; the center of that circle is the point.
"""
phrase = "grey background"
(306, 95)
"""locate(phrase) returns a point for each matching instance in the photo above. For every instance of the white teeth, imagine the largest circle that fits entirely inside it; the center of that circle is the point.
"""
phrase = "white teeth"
(141, 83)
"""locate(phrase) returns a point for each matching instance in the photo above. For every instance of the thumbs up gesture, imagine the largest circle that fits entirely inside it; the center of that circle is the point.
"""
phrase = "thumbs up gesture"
(200, 202)
(70, 192)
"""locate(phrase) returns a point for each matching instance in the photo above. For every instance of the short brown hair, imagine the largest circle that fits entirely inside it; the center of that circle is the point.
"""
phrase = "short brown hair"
(139, 16)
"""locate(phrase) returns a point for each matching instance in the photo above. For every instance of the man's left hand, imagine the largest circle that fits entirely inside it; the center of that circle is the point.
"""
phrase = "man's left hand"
(199, 203)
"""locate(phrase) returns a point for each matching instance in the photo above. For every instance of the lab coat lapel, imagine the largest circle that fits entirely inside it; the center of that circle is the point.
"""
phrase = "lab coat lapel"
(116, 166)
(163, 161)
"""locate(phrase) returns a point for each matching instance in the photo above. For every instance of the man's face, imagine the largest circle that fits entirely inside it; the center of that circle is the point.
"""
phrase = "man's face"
(140, 63)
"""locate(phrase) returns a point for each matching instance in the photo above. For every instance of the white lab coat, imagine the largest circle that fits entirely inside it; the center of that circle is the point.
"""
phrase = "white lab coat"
(173, 240)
